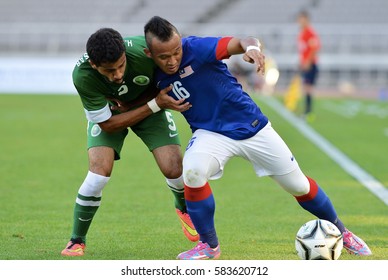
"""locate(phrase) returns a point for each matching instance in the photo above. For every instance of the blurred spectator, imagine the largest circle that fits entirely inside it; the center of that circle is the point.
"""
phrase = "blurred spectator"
(308, 45)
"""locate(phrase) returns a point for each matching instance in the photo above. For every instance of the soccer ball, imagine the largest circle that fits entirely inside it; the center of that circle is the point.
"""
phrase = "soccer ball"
(319, 240)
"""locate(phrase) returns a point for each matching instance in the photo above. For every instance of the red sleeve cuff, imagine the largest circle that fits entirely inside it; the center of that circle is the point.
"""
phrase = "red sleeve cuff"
(222, 48)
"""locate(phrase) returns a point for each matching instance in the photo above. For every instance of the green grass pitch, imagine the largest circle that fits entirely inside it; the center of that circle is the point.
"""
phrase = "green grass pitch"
(43, 161)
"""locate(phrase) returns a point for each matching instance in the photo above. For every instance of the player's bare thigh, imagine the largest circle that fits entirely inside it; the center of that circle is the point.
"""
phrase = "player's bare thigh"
(169, 160)
(101, 160)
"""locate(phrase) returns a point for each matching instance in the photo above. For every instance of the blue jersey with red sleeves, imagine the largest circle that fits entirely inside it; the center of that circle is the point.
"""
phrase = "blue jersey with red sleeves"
(218, 101)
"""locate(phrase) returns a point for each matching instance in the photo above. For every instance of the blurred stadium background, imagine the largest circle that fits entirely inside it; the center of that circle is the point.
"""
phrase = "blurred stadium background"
(44, 160)
(42, 39)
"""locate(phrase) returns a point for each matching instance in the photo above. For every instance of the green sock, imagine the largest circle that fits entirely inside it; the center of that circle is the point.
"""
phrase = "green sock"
(179, 199)
(83, 217)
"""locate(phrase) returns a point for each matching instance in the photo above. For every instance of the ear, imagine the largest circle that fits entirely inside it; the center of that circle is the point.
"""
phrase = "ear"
(94, 66)
(147, 52)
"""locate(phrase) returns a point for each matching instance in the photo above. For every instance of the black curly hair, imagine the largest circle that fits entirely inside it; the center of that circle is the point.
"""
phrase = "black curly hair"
(106, 45)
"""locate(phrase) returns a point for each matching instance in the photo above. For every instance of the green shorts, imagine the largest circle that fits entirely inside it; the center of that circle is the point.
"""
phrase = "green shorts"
(155, 131)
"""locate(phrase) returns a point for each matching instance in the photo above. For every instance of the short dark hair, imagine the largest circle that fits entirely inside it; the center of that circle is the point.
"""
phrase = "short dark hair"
(160, 28)
(106, 45)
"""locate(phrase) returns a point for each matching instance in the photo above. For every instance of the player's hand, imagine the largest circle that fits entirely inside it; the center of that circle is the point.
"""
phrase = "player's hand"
(256, 57)
(167, 102)
(143, 98)
(119, 105)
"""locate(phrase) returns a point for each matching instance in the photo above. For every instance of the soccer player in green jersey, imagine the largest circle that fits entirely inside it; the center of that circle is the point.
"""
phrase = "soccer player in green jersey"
(113, 73)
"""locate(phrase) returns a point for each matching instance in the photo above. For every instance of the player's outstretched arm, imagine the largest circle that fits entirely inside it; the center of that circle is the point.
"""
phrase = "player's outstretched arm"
(130, 118)
(251, 48)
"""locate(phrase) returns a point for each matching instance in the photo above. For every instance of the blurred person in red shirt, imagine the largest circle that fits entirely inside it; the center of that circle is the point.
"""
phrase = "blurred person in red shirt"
(308, 46)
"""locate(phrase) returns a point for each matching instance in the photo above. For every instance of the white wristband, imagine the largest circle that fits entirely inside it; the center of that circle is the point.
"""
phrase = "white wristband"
(253, 48)
(153, 106)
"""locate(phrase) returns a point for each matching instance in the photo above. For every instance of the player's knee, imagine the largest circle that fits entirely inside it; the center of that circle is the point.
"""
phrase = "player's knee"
(194, 177)
(299, 189)
(102, 171)
(169, 160)
(198, 168)
(101, 167)
(295, 183)
(101, 160)
(172, 172)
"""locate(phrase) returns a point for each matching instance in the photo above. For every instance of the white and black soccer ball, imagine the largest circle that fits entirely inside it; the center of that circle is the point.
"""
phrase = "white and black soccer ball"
(319, 240)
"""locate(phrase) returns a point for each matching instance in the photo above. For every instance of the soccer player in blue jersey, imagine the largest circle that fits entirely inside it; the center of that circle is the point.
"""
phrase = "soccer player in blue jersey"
(226, 123)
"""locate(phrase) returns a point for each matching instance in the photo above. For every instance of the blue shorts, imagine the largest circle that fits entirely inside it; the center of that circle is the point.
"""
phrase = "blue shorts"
(310, 76)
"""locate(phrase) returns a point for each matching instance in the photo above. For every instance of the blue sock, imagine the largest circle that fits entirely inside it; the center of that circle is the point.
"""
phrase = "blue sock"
(318, 203)
(201, 207)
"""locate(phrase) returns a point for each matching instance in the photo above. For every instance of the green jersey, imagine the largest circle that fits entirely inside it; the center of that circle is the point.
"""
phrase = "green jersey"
(93, 88)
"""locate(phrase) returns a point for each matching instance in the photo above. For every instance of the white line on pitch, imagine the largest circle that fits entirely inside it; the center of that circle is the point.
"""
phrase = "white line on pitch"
(352, 168)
